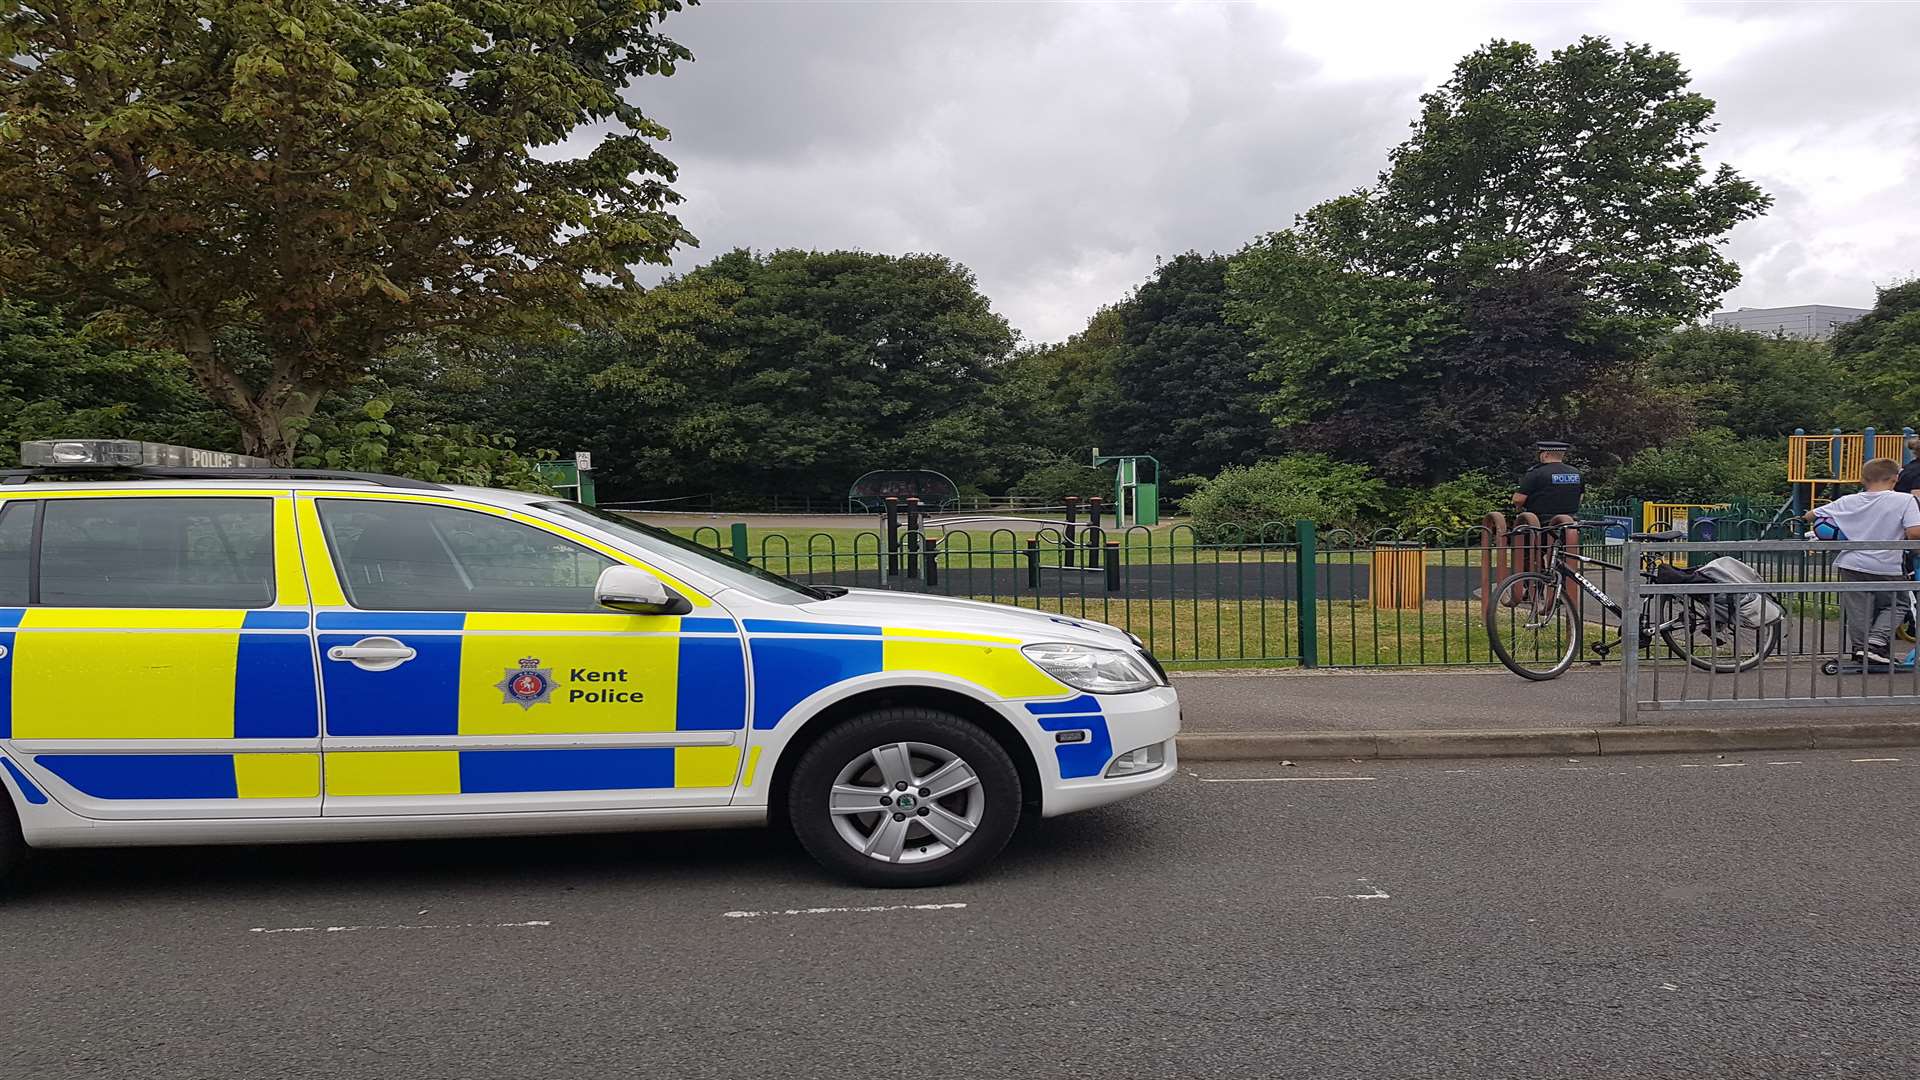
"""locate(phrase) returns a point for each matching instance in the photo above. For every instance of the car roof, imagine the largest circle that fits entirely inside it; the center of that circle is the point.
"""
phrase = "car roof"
(308, 486)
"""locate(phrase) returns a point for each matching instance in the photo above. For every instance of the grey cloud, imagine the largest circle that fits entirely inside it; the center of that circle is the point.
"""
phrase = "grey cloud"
(1058, 149)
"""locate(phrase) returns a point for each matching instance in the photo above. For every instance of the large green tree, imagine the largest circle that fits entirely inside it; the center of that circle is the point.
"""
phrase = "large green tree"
(57, 381)
(790, 372)
(1183, 374)
(324, 177)
(1548, 218)
(1755, 385)
(1880, 353)
(1053, 396)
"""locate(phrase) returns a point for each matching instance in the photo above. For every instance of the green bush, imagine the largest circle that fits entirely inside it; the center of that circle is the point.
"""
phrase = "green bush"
(1709, 465)
(1054, 482)
(1243, 499)
(1453, 507)
(425, 450)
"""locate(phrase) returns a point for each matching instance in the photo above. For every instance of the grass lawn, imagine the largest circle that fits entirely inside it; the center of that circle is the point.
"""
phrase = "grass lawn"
(1204, 634)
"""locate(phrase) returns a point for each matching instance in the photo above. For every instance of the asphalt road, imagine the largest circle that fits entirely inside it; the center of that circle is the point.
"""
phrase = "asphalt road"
(1659, 916)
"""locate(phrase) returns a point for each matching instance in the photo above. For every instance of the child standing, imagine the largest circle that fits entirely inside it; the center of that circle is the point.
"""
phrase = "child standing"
(1878, 513)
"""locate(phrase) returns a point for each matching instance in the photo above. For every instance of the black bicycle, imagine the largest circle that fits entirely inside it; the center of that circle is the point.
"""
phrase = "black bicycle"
(1537, 627)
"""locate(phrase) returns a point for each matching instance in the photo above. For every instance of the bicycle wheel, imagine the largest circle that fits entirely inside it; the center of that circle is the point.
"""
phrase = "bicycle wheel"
(1712, 639)
(1532, 628)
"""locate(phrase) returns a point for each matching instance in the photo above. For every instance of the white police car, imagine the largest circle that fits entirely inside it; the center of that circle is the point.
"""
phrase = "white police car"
(246, 655)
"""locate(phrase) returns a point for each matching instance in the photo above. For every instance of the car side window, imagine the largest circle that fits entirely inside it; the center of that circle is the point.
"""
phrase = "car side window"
(157, 552)
(16, 553)
(400, 556)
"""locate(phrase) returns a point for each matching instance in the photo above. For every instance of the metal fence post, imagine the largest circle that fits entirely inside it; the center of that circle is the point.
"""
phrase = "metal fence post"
(893, 536)
(740, 541)
(1306, 591)
(1630, 635)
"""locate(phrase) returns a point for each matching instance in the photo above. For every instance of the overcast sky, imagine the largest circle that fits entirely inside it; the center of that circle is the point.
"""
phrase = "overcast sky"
(1057, 149)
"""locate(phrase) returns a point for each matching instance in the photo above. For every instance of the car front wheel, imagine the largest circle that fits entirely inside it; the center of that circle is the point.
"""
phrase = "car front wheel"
(905, 797)
(13, 850)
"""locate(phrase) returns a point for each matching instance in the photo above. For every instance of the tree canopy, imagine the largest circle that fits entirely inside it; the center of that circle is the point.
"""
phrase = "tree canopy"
(788, 372)
(1183, 374)
(324, 177)
(1547, 220)
(1880, 354)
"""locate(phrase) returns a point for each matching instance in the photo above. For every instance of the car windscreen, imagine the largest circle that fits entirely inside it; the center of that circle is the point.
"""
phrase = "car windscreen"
(731, 572)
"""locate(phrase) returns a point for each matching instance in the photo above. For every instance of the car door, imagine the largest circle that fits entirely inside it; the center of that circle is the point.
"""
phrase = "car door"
(156, 653)
(466, 668)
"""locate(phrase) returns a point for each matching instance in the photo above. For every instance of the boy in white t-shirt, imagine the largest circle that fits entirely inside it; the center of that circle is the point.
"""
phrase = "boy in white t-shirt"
(1878, 513)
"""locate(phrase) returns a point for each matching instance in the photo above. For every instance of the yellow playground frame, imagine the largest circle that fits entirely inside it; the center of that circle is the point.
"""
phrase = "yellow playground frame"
(1833, 459)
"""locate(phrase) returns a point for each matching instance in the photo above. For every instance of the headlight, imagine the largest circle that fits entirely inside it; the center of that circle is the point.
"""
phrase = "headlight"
(1097, 671)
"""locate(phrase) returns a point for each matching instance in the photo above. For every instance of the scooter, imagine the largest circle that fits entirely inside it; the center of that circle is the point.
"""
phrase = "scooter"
(1826, 530)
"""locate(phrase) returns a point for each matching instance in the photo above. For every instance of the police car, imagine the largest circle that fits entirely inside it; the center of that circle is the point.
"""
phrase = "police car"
(201, 655)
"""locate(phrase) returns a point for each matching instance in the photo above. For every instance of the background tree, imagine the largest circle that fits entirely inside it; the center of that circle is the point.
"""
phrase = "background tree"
(1053, 396)
(328, 176)
(57, 381)
(1182, 378)
(1880, 354)
(1755, 385)
(1546, 221)
(791, 372)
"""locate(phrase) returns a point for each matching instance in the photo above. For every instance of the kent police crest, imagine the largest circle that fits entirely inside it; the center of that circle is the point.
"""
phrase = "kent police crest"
(527, 685)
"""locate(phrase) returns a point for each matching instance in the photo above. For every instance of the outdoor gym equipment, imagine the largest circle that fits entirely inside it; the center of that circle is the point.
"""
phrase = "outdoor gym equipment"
(1135, 501)
(913, 552)
(871, 491)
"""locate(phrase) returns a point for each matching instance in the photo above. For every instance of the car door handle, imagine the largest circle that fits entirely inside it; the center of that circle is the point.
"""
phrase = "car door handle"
(374, 653)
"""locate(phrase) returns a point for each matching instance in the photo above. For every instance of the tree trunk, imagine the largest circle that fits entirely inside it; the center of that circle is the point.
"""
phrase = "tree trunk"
(267, 417)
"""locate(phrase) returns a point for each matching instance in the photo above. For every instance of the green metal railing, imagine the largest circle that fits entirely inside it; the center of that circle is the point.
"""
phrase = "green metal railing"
(1280, 595)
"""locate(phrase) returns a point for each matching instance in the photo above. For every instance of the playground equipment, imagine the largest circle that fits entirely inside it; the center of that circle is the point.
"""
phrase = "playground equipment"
(1135, 501)
(572, 479)
(1834, 459)
(870, 493)
(913, 541)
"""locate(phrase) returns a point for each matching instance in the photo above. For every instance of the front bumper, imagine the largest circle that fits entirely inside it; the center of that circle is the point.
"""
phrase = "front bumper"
(1132, 720)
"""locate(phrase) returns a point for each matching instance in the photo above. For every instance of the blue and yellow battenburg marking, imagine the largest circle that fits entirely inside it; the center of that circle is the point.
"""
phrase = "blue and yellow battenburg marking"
(792, 661)
(477, 772)
(187, 776)
(179, 675)
(1082, 759)
(535, 674)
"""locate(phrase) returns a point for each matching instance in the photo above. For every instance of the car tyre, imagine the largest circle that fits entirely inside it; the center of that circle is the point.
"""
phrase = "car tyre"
(904, 798)
(13, 849)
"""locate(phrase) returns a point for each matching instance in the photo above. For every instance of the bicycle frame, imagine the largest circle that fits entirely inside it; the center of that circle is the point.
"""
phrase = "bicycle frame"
(1557, 564)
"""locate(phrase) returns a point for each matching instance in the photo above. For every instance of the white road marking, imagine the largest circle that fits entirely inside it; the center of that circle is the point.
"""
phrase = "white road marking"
(1272, 779)
(1374, 892)
(1731, 765)
(1858, 760)
(396, 926)
(842, 910)
(1786, 763)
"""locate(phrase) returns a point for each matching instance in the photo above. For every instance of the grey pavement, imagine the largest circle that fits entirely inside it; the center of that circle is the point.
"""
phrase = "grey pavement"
(1727, 917)
(1583, 698)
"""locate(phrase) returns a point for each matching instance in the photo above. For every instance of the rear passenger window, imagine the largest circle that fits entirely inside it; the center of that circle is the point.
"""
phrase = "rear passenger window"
(177, 553)
(16, 552)
(396, 556)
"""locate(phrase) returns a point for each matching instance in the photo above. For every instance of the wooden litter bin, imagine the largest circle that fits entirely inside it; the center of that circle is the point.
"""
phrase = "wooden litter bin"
(1399, 577)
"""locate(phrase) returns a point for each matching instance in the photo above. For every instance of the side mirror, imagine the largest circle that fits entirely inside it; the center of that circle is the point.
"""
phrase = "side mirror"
(633, 590)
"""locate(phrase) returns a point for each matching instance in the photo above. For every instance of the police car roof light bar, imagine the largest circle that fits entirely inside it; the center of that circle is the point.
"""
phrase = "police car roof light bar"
(51, 457)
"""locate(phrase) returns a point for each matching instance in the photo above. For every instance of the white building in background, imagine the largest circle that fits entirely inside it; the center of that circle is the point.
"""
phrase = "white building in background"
(1811, 322)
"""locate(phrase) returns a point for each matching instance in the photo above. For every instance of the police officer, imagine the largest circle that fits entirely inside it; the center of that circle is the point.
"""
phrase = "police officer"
(1552, 487)
(1909, 480)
